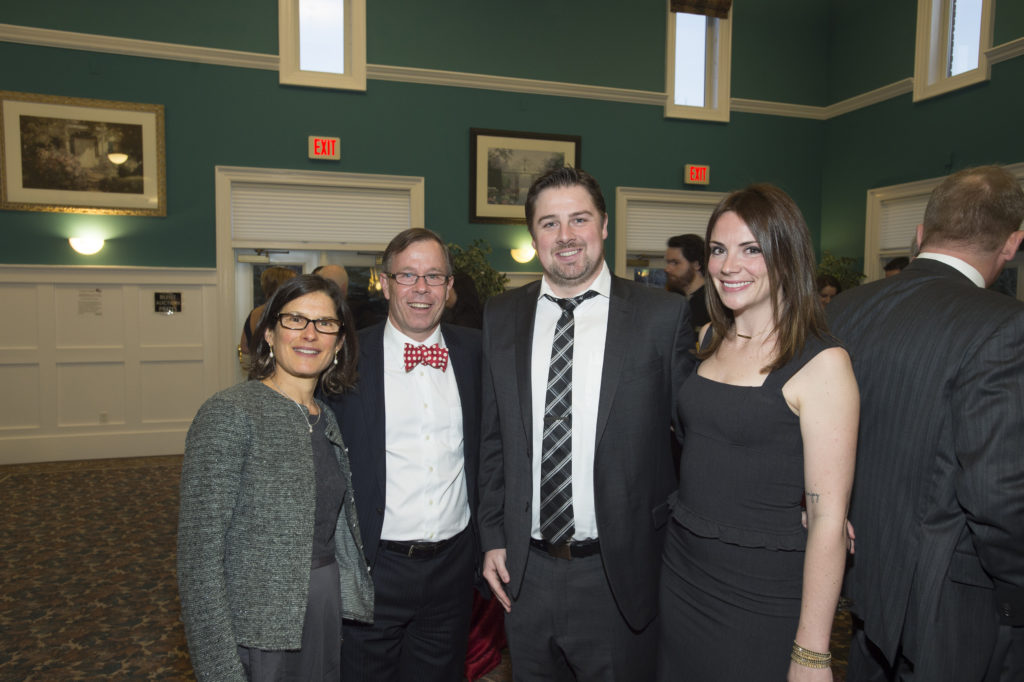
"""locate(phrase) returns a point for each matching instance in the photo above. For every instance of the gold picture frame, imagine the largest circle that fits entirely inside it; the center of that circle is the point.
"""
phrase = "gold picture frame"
(73, 155)
(504, 163)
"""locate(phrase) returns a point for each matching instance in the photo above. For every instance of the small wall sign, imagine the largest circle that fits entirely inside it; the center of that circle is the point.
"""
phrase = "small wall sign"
(167, 302)
(326, 148)
(694, 174)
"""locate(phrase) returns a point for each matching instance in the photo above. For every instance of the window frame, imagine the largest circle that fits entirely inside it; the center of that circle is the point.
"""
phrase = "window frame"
(931, 49)
(289, 40)
(717, 68)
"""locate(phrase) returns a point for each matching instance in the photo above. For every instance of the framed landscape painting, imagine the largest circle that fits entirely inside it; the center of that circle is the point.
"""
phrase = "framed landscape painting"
(504, 163)
(71, 155)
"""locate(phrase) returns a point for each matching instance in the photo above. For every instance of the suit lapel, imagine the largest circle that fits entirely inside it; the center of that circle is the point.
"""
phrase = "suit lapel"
(616, 346)
(371, 384)
(525, 313)
(460, 362)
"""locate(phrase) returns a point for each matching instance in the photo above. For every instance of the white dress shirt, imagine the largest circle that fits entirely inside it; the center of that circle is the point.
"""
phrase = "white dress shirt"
(425, 490)
(591, 327)
(961, 266)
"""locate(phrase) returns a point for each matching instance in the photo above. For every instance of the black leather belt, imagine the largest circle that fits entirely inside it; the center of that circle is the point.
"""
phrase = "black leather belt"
(568, 550)
(419, 549)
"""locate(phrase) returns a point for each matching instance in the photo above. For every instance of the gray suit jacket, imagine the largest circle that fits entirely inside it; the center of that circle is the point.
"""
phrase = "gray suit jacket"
(938, 498)
(648, 353)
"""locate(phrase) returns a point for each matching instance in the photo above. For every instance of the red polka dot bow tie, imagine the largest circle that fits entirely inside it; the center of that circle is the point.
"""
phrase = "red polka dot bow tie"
(435, 356)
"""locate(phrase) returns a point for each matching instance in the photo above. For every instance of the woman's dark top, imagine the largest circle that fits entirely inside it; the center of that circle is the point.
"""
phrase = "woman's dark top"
(741, 477)
(330, 493)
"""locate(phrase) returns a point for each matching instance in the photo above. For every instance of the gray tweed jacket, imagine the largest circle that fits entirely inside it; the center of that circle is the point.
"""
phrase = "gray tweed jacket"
(245, 529)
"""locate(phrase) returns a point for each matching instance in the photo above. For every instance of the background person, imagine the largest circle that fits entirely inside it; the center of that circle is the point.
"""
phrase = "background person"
(269, 557)
(770, 416)
(828, 288)
(270, 280)
(684, 274)
(337, 273)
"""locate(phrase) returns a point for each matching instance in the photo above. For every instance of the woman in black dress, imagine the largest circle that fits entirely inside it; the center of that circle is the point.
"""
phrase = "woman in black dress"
(770, 417)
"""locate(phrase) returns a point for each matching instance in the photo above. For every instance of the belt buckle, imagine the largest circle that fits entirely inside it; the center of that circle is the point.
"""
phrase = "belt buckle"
(562, 550)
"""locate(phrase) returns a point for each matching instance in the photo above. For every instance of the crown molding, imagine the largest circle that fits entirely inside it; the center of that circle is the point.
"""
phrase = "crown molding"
(757, 106)
(901, 87)
(407, 74)
(1004, 51)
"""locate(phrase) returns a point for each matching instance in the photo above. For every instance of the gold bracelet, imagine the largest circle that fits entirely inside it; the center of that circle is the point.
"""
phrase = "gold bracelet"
(810, 659)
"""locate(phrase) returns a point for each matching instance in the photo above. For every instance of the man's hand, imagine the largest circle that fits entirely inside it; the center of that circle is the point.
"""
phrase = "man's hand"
(496, 576)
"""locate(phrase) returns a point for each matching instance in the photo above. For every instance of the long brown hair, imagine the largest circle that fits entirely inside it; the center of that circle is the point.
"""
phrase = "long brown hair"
(780, 230)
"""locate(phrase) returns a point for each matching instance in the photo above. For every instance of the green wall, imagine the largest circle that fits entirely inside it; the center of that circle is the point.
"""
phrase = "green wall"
(791, 51)
(898, 140)
(243, 117)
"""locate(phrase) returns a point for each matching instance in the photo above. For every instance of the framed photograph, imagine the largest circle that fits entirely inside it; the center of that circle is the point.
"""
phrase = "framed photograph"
(70, 155)
(504, 163)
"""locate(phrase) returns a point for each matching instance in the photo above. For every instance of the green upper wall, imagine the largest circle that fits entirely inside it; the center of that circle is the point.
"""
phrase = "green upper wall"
(246, 25)
(242, 117)
(778, 47)
(871, 44)
(778, 51)
(791, 51)
(899, 141)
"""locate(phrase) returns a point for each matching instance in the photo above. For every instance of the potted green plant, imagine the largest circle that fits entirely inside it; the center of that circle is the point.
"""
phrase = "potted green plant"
(473, 261)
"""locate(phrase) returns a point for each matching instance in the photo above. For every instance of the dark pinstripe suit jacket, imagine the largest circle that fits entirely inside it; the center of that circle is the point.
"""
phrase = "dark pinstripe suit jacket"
(938, 498)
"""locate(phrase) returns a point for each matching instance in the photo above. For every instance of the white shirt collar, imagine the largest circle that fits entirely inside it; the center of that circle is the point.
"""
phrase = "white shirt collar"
(602, 285)
(394, 336)
(961, 266)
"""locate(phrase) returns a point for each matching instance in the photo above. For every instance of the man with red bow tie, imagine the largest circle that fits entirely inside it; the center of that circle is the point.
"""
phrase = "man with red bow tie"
(412, 428)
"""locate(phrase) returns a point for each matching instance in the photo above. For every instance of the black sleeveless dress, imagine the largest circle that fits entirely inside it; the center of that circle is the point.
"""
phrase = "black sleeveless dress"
(733, 564)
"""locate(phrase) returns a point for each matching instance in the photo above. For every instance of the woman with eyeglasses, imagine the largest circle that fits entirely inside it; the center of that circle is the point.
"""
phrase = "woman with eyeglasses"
(269, 555)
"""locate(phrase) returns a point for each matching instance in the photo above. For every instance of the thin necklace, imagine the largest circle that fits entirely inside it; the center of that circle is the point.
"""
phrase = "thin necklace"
(298, 406)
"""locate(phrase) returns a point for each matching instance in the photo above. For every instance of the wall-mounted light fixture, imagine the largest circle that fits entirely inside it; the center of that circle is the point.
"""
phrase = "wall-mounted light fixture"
(524, 254)
(117, 158)
(86, 246)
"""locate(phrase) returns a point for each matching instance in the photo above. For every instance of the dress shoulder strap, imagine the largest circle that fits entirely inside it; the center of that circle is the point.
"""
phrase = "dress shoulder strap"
(813, 346)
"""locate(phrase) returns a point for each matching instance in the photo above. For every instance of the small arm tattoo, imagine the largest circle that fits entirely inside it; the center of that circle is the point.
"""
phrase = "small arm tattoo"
(811, 497)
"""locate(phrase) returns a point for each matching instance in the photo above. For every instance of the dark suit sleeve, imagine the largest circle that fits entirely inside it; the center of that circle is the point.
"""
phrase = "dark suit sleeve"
(491, 474)
(683, 359)
(988, 427)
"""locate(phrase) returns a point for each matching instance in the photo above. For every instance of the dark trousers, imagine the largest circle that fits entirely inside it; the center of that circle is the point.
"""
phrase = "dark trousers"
(421, 618)
(565, 625)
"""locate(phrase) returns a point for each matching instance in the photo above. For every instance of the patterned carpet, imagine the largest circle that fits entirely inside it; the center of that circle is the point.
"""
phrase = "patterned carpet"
(87, 586)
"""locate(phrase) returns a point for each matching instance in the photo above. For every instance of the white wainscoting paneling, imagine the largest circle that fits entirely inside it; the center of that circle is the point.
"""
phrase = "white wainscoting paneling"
(90, 370)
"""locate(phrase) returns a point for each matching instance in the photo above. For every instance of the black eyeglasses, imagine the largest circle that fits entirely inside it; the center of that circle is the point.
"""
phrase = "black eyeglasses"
(296, 322)
(408, 279)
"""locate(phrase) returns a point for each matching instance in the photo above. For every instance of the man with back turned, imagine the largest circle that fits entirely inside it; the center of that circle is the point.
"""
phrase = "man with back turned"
(938, 498)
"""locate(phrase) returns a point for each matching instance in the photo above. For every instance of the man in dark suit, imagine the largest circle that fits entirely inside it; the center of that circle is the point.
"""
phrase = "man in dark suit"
(574, 559)
(412, 427)
(938, 498)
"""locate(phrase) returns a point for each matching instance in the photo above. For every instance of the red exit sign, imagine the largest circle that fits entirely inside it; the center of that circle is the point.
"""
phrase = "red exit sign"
(328, 148)
(696, 175)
